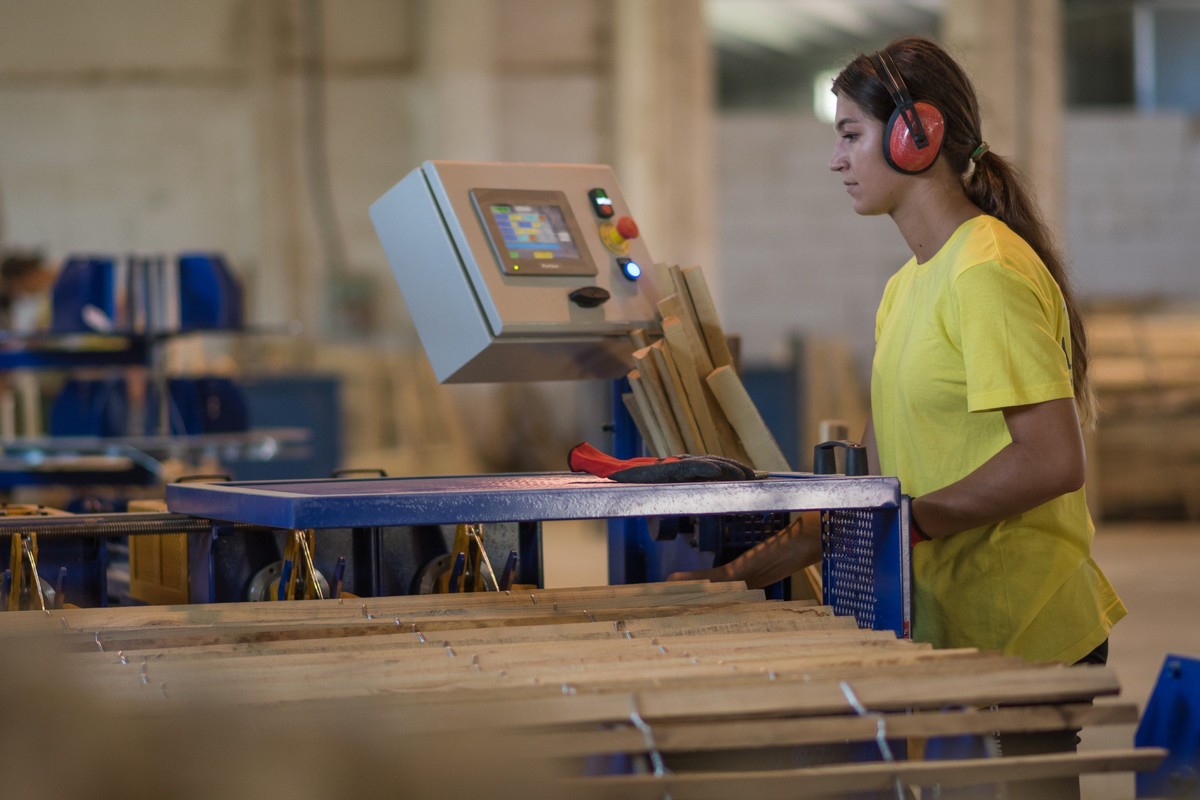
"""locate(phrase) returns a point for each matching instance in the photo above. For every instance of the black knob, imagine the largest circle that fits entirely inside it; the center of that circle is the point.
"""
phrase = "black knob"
(589, 296)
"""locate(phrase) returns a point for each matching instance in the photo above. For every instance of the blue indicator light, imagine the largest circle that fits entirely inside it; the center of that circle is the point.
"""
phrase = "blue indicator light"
(629, 268)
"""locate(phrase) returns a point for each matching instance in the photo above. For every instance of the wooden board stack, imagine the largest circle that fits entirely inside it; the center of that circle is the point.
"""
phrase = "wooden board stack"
(1145, 453)
(707, 690)
(685, 395)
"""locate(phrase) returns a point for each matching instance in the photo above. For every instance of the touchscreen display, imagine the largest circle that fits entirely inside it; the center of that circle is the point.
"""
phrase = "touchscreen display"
(533, 232)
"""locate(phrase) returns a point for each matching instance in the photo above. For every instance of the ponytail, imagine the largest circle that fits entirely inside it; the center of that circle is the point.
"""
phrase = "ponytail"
(997, 187)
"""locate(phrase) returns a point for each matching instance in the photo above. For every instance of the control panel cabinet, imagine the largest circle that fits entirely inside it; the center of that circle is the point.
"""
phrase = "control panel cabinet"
(518, 272)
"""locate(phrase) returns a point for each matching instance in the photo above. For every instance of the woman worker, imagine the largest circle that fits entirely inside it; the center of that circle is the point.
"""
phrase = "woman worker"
(979, 380)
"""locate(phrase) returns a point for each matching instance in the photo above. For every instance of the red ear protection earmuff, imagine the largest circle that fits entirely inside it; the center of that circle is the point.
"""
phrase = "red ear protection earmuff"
(913, 146)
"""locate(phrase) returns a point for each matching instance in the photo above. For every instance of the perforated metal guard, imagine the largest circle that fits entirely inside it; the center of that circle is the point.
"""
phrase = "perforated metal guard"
(866, 570)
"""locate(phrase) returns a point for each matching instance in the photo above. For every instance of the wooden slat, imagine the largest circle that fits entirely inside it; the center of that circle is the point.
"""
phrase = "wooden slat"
(843, 779)
(769, 733)
(672, 383)
(679, 306)
(647, 427)
(693, 390)
(707, 318)
(739, 409)
(663, 444)
(657, 396)
(161, 616)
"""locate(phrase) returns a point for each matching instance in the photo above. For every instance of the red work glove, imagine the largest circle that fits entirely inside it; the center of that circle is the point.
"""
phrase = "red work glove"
(647, 469)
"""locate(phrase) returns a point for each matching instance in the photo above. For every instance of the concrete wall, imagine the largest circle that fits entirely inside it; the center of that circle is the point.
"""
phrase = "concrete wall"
(143, 125)
(795, 257)
(1133, 216)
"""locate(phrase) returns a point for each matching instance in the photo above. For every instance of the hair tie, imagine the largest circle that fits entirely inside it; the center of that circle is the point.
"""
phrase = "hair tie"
(979, 151)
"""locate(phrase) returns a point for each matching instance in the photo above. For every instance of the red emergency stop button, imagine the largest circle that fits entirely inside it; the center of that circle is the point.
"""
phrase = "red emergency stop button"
(616, 237)
(627, 228)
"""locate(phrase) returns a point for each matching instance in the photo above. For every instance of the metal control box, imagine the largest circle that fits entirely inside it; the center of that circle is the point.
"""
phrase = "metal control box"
(518, 272)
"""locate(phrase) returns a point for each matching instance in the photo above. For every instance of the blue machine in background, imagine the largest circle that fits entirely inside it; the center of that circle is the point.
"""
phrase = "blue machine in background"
(118, 414)
(210, 298)
(144, 300)
(84, 282)
(146, 295)
(1172, 720)
(101, 407)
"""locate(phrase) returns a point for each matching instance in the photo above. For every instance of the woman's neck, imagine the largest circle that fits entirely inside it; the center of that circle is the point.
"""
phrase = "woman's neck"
(930, 216)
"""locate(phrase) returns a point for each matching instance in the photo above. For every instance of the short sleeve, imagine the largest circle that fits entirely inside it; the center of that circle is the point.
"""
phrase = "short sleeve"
(1014, 337)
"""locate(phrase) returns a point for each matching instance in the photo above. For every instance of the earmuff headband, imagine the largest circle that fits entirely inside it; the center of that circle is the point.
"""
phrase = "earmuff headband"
(894, 83)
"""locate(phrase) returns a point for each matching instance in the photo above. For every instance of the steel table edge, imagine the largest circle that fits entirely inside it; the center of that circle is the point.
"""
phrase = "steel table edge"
(584, 498)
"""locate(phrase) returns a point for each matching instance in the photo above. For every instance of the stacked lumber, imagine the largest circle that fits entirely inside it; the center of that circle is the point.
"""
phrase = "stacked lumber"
(685, 395)
(1145, 367)
(711, 689)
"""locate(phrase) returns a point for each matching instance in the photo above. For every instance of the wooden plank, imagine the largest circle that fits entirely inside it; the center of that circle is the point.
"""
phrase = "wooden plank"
(439, 667)
(707, 317)
(158, 616)
(693, 390)
(842, 779)
(672, 383)
(129, 640)
(747, 734)
(797, 648)
(885, 692)
(664, 279)
(657, 395)
(641, 395)
(709, 625)
(577, 699)
(631, 620)
(622, 663)
(742, 414)
(597, 660)
(679, 306)
(648, 429)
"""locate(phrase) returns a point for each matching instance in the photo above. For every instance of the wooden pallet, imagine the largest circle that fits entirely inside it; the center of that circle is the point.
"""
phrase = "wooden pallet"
(709, 689)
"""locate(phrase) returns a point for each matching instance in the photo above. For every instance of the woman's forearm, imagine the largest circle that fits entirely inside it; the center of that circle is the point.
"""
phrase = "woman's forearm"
(1044, 460)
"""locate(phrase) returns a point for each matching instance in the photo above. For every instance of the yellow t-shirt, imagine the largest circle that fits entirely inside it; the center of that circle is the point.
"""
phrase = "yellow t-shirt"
(979, 327)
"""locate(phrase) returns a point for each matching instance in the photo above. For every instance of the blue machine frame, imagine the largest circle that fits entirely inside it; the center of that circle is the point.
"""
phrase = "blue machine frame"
(537, 497)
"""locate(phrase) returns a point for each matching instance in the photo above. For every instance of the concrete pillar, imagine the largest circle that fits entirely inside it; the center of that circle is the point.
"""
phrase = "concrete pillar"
(1013, 52)
(282, 286)
(663, 117)
(457, 86)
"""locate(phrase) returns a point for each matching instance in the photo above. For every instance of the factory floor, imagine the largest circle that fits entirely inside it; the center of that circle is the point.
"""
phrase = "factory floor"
(1153, 566)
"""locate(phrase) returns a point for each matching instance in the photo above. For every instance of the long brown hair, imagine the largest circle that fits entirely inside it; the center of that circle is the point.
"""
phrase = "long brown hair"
(994, 184)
